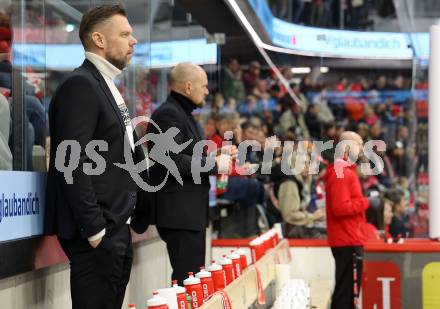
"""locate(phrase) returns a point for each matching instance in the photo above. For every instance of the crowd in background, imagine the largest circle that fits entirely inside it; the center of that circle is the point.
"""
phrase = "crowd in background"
(326, 13)
(255, 105)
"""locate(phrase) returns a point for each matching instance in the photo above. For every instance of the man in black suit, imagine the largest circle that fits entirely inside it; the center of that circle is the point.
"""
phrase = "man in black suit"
(181, 209)
(90, 211)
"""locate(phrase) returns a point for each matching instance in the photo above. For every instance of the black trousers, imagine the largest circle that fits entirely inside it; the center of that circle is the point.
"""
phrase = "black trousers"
(99, 277)
(346, 259)
(186, 250)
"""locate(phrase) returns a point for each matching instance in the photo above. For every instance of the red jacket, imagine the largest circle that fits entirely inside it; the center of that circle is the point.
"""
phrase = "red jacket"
(345, 206)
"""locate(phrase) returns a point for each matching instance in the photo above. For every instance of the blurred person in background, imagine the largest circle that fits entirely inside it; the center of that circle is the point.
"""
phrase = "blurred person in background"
(325, 113)
(261, 90)
(251, 76)
(251, 107)
(293, 193)
(233, 86)
(363, 131)
(313, 123)
(217, 103)
(293, 117)
(379, 216)
(399, 222)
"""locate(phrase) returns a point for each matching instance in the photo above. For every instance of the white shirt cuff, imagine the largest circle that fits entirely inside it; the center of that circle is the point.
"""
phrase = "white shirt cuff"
(97, 236)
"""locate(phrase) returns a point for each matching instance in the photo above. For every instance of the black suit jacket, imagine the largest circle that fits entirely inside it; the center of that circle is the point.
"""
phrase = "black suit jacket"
(83, 109)
(178, 206)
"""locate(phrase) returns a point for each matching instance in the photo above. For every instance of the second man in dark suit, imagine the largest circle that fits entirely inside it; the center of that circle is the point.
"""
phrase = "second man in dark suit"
(181, 210)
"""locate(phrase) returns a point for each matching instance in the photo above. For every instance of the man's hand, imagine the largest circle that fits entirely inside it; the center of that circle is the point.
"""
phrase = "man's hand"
(95, 243)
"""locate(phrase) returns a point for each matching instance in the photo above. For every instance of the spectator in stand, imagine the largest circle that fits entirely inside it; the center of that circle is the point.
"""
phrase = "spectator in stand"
(209, 128)
(399, 223)
(365, 84)
(293, 117)
(376, 131)
(231, 105)
(346, 206)
(294, 194)
(342, 84)
(329, 135)
(250, 133)
(302, 98)
(363, 130)
(224, 122)
(381, 85)
(379, 217)
(269, 121)
(398, 83)
(288, 75)
(327, 14)
(306, 84)
(312, 121)
(240, 189)
(387, 176)
(252, 107)
(251, 76)
(325, 114)
(298, 10)
(218, 103)
(279, 8)
(260, 91)
(233, 86)
(402, 154)
(370, 116)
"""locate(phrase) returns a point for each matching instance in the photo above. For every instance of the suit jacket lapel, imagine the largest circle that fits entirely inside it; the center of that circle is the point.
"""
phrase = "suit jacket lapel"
(110, 99)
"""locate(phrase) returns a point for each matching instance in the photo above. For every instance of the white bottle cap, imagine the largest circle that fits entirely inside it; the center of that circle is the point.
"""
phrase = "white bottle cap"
(179, 289)
(214, 267)
(225, 261)
(255, 242)
(203, 273)
(156, 300)
(234, 256)
(191, 280)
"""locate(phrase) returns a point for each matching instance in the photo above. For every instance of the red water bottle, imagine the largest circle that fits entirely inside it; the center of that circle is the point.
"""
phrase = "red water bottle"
(206, 281)
(194, 288)
(236, 263)
(157, 302)
(181, 295)
(218, 276)
(267, 242)
(257, 249)
(228, 268)
(243, 259)
(274, 237)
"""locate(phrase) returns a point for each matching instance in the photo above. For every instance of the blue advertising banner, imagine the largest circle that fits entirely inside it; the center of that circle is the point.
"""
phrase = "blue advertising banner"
(22, 199)
(341, 43)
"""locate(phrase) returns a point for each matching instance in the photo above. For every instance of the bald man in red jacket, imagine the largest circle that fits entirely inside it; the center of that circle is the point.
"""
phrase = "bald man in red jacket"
(345, 207)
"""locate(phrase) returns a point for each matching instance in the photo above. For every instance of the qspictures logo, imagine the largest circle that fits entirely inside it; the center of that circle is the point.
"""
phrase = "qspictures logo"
(19, 206)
